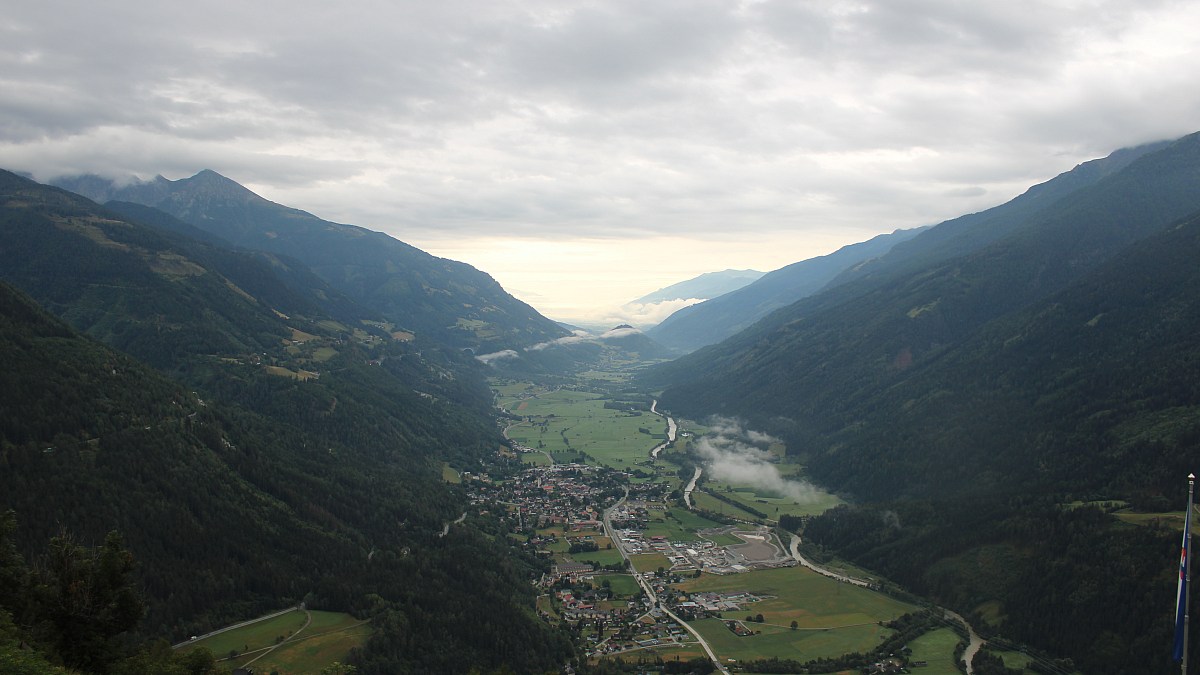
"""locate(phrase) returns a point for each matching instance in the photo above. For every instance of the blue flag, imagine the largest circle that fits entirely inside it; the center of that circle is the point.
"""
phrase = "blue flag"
(1181, 595)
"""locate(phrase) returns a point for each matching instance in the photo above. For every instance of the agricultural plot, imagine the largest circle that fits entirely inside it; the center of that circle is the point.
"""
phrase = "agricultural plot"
(801, 595)
(602, 557)
(649, 562)
(329, 638)
(937, 649)
(785, 643)
(679, 525)
(1014, 659)
(566, 423)
(254, 636)
(622, 585)
(771, 503)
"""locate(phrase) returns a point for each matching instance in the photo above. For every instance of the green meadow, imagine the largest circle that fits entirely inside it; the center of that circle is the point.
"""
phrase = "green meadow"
(937, 648)
(771, 503)
(832, 618)
(328, 637)
(566, 423)
(254, 636)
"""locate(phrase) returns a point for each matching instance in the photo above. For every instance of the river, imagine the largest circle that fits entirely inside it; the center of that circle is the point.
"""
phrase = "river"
(672, 429)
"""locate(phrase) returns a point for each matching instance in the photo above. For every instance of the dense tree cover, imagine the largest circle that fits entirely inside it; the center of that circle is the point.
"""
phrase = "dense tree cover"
(75, 608)
(238, 490)
(1003, 365)
(1070, 581)
(911, 368)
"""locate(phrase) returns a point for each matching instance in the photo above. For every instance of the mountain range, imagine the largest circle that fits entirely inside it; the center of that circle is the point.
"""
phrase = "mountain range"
(449, 301)
(986, 391)
(275, 453)
(703, 287)
(726, 314)
(227, 380)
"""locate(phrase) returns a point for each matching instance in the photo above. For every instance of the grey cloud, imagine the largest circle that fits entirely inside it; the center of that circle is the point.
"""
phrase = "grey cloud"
(612, 119)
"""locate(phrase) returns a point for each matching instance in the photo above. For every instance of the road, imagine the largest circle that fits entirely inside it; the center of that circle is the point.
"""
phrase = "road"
(795, 547)
(649, 590)
(236, 626)
(446, 528)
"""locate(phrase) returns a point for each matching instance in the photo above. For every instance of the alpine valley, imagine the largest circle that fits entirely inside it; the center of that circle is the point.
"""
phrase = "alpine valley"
(973, 435)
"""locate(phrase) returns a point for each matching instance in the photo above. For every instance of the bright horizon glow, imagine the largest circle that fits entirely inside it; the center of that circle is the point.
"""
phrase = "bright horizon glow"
(585, 282)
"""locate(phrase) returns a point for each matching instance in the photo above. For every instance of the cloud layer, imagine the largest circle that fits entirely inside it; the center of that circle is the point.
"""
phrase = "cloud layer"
(737, 455)
(443, 123)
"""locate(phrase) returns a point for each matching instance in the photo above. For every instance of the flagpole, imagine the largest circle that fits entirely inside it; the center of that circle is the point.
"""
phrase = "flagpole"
(1187, 567)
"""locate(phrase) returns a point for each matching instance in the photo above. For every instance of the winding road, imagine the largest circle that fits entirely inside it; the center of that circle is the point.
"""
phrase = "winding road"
(649, 590)
(795, 548)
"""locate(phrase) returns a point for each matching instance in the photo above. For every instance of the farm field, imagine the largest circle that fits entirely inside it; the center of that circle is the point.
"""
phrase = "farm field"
(772, 504)
(253, 636)
(329, 637)
(678, 525)
(801, 595)
(937, 648)
(1014, 659)
(623, 585)
(784, 643)
(567, 421)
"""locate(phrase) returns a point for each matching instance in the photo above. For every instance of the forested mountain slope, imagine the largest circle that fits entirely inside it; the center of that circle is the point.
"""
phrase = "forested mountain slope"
(973, 404)
(296, 457)
(443, 299)
(815, 370)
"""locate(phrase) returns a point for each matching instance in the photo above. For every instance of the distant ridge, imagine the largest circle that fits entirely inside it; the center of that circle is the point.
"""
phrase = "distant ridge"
(706, 286)
(446, 300)
(714, 320)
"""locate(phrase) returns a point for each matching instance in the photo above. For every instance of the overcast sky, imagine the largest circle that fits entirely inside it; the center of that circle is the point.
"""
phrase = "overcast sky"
(586, 154)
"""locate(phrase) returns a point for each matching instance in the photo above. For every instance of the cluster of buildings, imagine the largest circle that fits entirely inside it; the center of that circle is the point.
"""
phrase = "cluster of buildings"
(651, 629)
(571, 495)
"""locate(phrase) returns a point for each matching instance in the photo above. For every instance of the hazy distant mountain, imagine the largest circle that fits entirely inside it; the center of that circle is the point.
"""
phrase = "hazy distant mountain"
(714, 320)
(443, 299)
(706, 286)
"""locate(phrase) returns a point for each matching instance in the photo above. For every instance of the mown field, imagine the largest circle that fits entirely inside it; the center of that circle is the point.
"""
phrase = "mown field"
(832, 618)
(773, 504)
(254, 636)
(567, 422)
(937, 648)
(328, 637)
